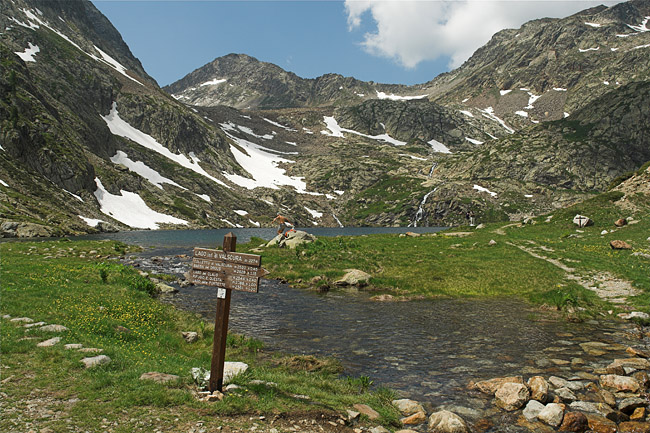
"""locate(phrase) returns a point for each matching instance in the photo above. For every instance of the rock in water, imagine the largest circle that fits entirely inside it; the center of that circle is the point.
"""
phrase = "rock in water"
(447, 422)
(407, 407)
(552, 414)
(512, 396)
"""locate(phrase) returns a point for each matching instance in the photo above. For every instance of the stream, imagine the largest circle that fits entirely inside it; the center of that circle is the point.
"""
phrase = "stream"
(428, 350)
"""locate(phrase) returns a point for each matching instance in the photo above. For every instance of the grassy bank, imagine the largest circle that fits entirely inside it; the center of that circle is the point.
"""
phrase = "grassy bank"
(544, 261)
(108, 306)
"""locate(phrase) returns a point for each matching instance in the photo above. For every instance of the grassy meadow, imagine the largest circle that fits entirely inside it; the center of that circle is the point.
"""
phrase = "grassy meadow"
(468, 264)
(108, 306)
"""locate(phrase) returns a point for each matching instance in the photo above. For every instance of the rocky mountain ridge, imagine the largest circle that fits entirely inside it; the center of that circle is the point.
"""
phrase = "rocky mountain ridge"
(90, 142)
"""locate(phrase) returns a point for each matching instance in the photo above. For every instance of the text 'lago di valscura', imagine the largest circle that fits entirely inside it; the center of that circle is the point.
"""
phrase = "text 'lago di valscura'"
(236, 271)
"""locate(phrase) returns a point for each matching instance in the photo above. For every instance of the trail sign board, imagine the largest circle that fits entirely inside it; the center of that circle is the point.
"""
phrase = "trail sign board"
(227, 270)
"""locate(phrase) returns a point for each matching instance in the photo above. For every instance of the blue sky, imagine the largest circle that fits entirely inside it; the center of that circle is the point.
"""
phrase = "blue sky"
(405, 42)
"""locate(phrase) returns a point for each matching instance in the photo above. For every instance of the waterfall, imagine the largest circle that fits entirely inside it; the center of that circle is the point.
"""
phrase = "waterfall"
(337, 220)
(433, 167)
(420, 213)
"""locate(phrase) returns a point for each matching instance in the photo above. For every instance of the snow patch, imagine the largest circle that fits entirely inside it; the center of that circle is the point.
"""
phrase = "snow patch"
(438, 147)
(337, 131)
(255, 223)
(413, 157)
(641, 46)
(113, 64)
(594, 25)
(314, 213)
(3, 183)
(228, 222)
(130, 209)
(482, 189)
(74, 195)
(528, 195)
(465, 100)
(307, 131)
(392, 97)
(262, 165)
(339, 192)
(119, 127)
(204, 197)
(531, 100)
(504, 92)
(467, 113)
(293, 143)
(521, 113)
(240, 212)
(643, 27)
(142, 169)
(559, 89)
(566, 114)
(92, 222)
(471, 140)
(489, 113)
(588, 49)
(279, 125)
(213, 82)
(28, 54)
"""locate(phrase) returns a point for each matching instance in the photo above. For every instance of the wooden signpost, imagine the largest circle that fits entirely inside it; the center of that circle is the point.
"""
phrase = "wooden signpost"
(227, 270)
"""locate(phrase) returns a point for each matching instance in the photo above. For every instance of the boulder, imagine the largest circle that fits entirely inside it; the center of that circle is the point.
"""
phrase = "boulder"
(291, 239)
(490, 386)
(230, 370)
(354, 277)
(620, 222)
(447, 422)
(538, 388)
(620, 245)
(574, 422)
(582, 221)
(407, 407)
(552, 414)
(95, 361)
(159, 377)
(105, 227)
(13, 229)
(619, 383)
(512, 396)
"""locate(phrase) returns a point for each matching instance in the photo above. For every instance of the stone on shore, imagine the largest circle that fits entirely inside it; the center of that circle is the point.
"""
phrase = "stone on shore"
(354, 277)
(600, 424)
(165, 288)
(636, 363)
(512, 396)
(96, 361)
(634, 315)
(630, 404)
(230, 370)
(159, 377)
(49, 343)
(634, 427)
(552, 414)
(407, 407)
(416, 419)
(291, 239)
(447, 422)
(490, 386)
(366, 410)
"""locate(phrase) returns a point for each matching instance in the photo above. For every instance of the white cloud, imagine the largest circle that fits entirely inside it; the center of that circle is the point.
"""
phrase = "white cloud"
(414, 31)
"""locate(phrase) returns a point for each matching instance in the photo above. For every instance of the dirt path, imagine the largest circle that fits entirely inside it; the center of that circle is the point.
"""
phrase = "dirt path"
(604, 284)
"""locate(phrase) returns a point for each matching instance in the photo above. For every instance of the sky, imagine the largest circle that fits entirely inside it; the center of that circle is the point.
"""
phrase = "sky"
(385, 41)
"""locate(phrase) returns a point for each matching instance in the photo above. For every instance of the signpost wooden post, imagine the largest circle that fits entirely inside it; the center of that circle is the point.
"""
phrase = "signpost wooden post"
(227, 270)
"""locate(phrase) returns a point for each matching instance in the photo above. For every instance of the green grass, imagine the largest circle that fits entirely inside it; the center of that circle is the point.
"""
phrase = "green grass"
(449, 266)
(96, 300)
